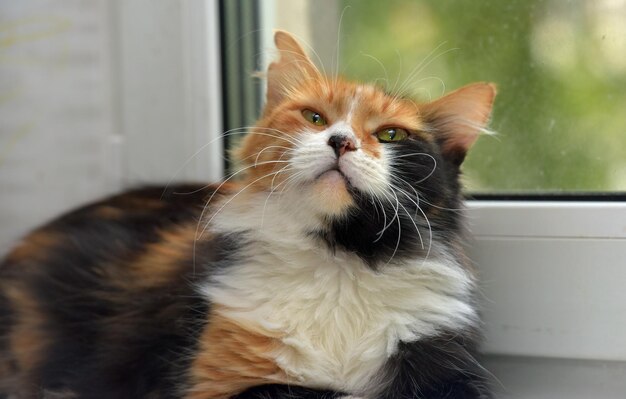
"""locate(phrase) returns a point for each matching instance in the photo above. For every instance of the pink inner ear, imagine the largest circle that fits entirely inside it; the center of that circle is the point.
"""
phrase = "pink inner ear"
(459, 117)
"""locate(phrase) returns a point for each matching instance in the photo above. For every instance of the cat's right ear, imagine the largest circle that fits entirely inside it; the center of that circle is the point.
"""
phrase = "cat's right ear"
(292, 67)
(458, 118)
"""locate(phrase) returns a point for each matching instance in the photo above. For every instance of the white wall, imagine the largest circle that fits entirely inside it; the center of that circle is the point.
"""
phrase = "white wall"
(97, 95)
(56, 119)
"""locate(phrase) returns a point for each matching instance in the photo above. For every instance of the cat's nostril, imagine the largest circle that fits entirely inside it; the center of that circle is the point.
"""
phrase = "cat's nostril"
(341, 144)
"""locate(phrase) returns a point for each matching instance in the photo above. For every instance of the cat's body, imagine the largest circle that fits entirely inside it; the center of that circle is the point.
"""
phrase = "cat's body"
(334, 268)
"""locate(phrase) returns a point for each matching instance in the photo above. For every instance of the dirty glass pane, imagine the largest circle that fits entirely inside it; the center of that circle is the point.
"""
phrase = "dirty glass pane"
(560, 65)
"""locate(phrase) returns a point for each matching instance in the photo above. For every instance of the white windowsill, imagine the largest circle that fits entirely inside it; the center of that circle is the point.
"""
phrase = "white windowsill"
(540, 378)
(552, 277)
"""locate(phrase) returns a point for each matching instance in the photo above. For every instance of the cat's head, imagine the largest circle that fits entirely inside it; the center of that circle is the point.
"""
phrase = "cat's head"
(378, 173)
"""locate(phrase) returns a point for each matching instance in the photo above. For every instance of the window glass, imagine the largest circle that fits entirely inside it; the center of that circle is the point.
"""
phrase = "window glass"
(560, 66)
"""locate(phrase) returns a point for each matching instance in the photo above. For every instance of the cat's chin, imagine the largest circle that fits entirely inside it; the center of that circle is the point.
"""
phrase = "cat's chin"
(332, 193)
(333, 177)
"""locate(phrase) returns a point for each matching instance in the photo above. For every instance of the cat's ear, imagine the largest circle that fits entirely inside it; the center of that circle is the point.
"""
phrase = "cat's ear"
(459, 117)
(292, 67)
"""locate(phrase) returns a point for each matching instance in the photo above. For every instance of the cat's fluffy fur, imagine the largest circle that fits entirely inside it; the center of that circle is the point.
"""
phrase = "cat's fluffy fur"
(333, 268)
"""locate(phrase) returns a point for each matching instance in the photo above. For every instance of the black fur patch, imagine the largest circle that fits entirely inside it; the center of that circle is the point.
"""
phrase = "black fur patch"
(436, 368)
(6, 319)
(286, 392)
(426, 186)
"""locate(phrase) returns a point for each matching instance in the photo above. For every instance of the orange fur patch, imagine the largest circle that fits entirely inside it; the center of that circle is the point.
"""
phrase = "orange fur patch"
(232, 358)
(165, 260)
(108, 212)
(33, 246)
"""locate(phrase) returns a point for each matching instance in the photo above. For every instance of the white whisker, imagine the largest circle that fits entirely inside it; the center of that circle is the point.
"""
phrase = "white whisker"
(395, 250)
(382, 66)
(285, 169)
(256, 160)
(386, 226)
(430, 58)
(208, 223)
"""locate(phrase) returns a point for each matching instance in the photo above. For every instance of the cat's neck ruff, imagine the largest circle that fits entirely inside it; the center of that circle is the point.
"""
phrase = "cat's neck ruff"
(339, 319)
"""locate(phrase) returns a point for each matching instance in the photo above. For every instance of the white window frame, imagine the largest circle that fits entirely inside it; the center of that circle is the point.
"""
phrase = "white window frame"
(552, 274)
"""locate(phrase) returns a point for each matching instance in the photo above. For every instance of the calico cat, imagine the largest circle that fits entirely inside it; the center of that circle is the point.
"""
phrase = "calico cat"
(333, 268)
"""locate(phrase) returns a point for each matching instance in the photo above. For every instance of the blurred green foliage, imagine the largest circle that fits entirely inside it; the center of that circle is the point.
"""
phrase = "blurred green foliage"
(560, 66)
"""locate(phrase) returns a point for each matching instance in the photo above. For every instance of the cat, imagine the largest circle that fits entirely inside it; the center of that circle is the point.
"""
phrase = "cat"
(333, 268)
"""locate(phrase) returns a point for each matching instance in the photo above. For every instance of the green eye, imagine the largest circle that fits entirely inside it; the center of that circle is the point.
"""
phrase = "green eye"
(314, 117)
(392, 134)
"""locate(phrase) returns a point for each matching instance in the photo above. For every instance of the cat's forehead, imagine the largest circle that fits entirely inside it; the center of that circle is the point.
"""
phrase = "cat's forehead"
(360, 102)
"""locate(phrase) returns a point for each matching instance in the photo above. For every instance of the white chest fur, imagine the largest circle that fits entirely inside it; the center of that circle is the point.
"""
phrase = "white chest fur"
(340, 320)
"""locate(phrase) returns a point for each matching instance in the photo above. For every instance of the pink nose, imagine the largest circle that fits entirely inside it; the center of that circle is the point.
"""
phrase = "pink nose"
(341, 144)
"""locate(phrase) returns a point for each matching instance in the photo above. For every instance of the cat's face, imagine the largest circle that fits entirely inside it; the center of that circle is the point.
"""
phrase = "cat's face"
(324, 136)
(375, 169)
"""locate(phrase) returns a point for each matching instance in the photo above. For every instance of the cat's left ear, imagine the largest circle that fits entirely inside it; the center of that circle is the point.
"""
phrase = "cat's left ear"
(458, 118)
(291, 69)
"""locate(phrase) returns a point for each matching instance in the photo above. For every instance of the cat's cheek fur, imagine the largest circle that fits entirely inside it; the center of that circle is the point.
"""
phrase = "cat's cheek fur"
(367, 174)
(312, 156)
